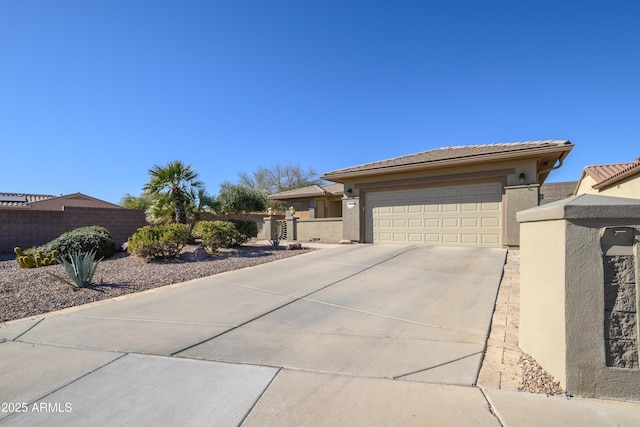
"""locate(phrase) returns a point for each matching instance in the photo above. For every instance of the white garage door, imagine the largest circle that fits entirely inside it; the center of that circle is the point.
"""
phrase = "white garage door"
(460, 215)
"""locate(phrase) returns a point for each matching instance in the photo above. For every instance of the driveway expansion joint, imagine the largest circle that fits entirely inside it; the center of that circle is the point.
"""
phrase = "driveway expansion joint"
(411, 248)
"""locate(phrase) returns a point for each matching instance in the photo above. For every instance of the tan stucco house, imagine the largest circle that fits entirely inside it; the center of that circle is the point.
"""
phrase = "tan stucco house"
(45, 202)
(617, 180)
(461, 195)
(314, 201)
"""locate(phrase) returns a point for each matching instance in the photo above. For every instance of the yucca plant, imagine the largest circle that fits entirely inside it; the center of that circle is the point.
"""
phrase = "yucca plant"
(79, 268)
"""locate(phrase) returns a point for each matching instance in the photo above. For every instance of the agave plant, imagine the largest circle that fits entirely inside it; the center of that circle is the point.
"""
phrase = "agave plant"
(79, 268)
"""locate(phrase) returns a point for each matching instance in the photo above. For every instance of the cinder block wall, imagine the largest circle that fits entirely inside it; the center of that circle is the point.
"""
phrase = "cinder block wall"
(26, 228)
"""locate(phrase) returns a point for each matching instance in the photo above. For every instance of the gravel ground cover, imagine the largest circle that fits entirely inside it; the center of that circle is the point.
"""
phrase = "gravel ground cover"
(536, 380)
(26, 292)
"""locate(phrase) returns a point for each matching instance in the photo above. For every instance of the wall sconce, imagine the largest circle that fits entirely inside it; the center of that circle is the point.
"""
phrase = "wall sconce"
(522, 177)
(292, 210)
(349, 191)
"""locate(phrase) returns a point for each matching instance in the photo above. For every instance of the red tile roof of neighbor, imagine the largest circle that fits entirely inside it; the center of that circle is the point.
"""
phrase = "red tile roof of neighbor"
(457, 154)
(606, 175)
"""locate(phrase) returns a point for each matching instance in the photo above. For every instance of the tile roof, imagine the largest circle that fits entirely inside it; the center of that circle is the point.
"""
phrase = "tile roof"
(21, 200)
(471, 153)
(606, 175)
(310, 191)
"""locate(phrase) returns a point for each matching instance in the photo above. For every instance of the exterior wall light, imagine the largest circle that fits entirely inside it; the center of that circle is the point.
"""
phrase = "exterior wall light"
(349, 191)
(522, 177)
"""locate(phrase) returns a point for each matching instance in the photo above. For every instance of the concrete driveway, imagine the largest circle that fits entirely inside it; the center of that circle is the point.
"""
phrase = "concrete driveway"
(362, 334)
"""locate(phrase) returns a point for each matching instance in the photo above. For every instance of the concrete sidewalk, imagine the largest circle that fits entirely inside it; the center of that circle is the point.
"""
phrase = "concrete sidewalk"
(351, 335)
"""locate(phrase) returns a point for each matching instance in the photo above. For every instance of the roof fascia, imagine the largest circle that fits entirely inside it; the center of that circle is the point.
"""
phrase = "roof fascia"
(562, 150)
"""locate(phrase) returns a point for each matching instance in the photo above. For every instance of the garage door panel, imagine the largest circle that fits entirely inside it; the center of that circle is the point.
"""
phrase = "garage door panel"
(492, 239)
(415, 223)
(432, 223)
(450, 238)
(469, 222)
(462, 215)
(469, 238)
(492, 206)
(415, 238)
(490, 222)
(450, 222)
(384, 223)
(400, 237)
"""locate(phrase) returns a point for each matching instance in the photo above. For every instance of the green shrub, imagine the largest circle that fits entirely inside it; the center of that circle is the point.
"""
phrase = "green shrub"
(247, 230)
(159, 241)
(83, 239)
(215, 234)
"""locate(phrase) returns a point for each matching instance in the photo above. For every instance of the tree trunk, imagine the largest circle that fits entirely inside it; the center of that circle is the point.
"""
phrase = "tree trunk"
(181, 215)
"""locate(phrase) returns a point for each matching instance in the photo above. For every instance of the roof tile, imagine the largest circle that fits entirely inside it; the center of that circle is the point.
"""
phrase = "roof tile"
(450, 153)
(608, 174)
(22, 200)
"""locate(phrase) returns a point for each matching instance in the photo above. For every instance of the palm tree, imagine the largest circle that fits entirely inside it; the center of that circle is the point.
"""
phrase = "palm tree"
(174, 181)
(199, 201)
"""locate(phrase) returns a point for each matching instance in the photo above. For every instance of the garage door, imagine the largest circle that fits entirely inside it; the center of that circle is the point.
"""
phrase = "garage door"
(460, 215)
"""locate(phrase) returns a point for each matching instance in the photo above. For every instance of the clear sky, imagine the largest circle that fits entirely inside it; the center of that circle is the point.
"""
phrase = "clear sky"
(94, 93)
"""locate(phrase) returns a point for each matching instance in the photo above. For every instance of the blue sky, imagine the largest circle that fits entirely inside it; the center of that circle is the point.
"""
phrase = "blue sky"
(94, 93)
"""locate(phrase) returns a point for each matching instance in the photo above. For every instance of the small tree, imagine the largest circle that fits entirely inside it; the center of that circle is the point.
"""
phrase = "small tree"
(280, 177)
(241, 200)
(173, 180)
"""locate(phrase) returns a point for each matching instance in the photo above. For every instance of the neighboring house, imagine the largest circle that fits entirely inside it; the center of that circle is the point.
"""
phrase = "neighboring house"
(315, 201)
(618, 180)
(44, 202)
(463, 195)
(553, 191)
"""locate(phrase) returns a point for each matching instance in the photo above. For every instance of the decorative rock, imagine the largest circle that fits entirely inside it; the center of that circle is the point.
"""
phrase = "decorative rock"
(292, 246)
(345, 242)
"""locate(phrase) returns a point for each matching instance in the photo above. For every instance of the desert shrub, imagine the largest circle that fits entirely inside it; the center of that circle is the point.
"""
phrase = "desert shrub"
(84, 240)
(80, 269)
(215, 234)
(246, 228)
(159, 241)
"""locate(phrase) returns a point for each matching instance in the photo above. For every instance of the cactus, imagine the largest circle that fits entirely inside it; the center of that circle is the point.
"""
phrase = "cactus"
(26, 260)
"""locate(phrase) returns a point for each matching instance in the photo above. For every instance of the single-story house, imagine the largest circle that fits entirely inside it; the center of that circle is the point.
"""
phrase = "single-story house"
(618, 180)
(314, 201)
(461, 195)
(45, 202)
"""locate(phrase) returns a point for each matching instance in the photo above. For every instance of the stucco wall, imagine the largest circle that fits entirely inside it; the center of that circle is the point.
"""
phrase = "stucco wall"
(627, 188)
(566, 323)
(322, 229)
(542, 297)
(516, 199)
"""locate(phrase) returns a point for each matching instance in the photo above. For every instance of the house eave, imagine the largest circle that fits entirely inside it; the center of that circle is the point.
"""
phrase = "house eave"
(561, 151)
